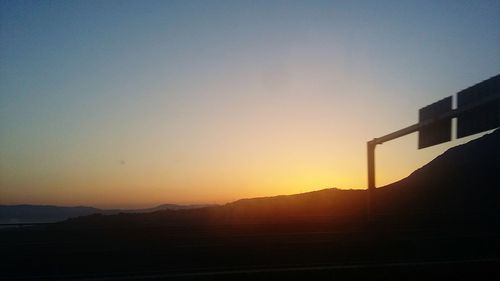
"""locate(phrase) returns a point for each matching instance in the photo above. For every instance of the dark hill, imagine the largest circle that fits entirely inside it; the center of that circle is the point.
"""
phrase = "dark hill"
(42, 213)
(463, 180)
(441, 222)
(47, 213)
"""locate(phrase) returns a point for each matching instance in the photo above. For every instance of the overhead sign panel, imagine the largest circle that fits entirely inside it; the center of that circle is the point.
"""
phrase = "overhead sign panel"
(484, 117)
(437, 131)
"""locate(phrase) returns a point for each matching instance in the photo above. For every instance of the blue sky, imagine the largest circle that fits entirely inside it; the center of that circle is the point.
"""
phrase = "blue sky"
(186, 91)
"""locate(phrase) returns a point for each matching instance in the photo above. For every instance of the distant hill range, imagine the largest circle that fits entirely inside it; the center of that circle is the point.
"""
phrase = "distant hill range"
(443, 220)
(47, 213)
(462, 182)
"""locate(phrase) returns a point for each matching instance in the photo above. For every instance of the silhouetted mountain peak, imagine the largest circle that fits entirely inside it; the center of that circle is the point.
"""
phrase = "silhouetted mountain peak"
(464, 178)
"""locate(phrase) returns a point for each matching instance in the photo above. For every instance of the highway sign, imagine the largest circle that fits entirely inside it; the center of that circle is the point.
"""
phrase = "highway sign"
(481, 118)
(436, 132)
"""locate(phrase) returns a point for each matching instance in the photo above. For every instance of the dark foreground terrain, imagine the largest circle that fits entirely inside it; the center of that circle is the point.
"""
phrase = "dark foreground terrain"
(440, 223)
(442, 249)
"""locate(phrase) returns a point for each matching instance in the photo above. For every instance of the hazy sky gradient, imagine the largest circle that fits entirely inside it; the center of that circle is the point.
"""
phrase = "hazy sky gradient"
(136, 103)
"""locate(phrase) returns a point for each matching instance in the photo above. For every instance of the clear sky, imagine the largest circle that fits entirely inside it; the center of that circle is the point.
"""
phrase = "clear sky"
(137, 103)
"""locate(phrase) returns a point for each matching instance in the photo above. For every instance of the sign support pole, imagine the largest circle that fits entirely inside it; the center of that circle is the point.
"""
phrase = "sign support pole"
(371, 177)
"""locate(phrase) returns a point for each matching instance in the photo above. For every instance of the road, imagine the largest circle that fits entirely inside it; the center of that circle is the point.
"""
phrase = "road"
(246, 252)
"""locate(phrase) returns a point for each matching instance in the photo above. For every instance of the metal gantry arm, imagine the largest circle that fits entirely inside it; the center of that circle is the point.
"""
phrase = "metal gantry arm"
(370, 145)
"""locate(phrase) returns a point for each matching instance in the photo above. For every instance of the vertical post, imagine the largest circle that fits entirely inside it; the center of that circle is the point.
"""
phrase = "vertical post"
(371, 177)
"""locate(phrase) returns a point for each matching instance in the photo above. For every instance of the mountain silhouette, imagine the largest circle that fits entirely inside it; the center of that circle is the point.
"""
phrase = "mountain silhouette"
(46, 213)
(42, 213)
(463, 181)
(441, 221)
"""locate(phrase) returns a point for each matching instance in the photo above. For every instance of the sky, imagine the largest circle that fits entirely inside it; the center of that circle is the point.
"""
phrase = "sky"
(139, 103)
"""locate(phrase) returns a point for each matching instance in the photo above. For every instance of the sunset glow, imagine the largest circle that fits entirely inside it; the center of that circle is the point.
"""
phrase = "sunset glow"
(132, 105)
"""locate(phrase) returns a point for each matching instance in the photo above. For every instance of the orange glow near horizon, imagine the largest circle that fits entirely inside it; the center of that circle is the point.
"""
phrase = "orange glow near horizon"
(245, 171)
(176, 102)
